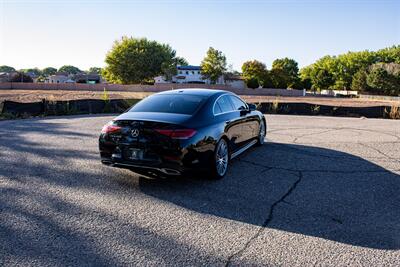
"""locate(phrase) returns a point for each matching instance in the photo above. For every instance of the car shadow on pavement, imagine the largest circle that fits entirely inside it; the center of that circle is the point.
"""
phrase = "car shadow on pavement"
(300, 189)
(52, 210)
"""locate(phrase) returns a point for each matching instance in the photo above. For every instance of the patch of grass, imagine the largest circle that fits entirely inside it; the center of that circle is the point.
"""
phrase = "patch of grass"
(7, 116)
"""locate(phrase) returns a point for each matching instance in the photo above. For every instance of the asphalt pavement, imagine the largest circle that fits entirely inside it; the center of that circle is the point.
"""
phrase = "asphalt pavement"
(322, 191)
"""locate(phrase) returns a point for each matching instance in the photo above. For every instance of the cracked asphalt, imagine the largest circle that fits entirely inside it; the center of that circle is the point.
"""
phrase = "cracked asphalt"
(322, 191)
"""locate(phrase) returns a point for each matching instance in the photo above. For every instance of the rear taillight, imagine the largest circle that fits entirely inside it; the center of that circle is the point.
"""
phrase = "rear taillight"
(110, 128)
(177, 133)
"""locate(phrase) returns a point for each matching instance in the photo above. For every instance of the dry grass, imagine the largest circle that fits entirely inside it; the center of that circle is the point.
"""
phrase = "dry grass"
(393, 113)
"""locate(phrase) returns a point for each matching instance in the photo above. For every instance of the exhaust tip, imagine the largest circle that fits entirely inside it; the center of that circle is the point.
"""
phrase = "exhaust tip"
(170, 171)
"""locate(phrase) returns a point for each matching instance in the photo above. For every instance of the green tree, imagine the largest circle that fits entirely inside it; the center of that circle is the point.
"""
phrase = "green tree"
(95, 70)
(305, 77)
(5, 68)
(359, 81)
(252, 83)
(382, 81)
(69, 69)
(21, 77)
(285, 72)
(48, 71)
(135, 60)
(289, 66)
(389, 54)
(168, 68)
(321, 79)
(253, 69)
(35, 71)
(213, 65)
(279, 78)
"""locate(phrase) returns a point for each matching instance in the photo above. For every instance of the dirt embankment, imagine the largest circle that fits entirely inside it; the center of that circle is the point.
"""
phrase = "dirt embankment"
(28, 96)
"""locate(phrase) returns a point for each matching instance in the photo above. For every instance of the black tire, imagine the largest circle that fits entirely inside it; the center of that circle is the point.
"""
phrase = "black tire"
(220, 161)
(261, 134)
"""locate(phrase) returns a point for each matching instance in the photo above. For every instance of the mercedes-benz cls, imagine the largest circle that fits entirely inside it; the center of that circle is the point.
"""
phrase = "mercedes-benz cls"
(178, 131)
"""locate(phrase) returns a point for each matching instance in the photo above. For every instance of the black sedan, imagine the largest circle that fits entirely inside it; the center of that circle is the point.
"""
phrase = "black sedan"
(177, 131)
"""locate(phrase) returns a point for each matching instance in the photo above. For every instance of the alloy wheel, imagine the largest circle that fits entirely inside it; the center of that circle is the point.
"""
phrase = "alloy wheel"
(221, 158)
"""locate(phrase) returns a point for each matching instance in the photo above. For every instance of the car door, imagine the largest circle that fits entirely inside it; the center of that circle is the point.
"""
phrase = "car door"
(249, 121)
(224, 111)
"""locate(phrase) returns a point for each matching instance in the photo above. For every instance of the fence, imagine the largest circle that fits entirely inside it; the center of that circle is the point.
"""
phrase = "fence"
(380, 97)
(146, 88)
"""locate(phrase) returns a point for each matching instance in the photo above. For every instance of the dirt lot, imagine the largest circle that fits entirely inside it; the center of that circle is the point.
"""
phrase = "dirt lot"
(27, 96)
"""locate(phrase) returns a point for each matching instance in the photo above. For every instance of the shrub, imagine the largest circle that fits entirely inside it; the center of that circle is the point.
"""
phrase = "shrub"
(252, 83)
(359, 82)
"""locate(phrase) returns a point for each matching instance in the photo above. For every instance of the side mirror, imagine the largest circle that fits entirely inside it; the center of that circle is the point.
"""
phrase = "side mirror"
(252, 107)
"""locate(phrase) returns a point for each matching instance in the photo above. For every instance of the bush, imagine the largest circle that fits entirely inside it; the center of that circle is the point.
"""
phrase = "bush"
(252, 83)
(17, 78)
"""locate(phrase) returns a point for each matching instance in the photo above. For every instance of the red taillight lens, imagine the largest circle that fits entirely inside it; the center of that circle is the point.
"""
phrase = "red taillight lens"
(178, 133)
(109, 128)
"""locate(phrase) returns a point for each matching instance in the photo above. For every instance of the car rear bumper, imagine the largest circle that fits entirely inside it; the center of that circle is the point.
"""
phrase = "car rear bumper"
(162, 168)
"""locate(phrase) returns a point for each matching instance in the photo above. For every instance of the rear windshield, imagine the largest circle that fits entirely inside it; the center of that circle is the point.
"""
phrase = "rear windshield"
(173, 103)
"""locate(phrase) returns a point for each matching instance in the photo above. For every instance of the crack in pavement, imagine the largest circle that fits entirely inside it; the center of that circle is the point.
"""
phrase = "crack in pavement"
(318, 170)
(339, 128)
(310, 134)
(380, 152)
(267, 220)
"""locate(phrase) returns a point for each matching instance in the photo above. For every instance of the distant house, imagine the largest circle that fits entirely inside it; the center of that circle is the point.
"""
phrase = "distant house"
(235, 81)
(188, 74)
(59, 77)
(8, 76)
(91, 78)
(4, 77)
(160, 79)
(63, 77)
(33, 75)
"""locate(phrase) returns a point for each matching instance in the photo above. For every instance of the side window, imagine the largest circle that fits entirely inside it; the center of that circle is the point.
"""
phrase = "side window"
(217, 109)
(223, 105)
(238, 104)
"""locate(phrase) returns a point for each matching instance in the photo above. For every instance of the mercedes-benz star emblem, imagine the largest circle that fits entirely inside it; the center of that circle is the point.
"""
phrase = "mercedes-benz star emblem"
(135, 132)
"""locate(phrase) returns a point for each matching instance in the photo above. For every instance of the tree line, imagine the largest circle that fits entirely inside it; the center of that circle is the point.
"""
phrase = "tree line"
(375, 72)
(42, 74)
(139, 60)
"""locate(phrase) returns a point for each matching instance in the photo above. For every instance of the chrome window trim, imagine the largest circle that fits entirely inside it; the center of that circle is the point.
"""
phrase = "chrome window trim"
(215, 102)
(228, 94)
(245, 104)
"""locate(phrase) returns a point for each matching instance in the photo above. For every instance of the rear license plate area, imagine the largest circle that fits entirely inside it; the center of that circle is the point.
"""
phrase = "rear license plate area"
(134, 154)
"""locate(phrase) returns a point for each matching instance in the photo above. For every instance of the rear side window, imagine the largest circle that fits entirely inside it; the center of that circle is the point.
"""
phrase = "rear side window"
(170, 103)
(238, 104)
(223, 105)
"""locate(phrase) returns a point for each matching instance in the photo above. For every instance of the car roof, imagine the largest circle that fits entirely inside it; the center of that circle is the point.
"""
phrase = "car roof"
(195, 91)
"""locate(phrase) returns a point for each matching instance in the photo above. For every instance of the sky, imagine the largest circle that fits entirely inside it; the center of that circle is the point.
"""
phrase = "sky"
(55, 33)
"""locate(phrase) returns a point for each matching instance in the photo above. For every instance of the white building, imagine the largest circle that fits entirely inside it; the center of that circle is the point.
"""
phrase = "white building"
(58, 78)
(188, 74)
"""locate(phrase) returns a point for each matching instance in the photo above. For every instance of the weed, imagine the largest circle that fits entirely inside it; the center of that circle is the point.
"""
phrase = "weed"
(275, 106)
(394, 112)
(105, 97)
(315, 109)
